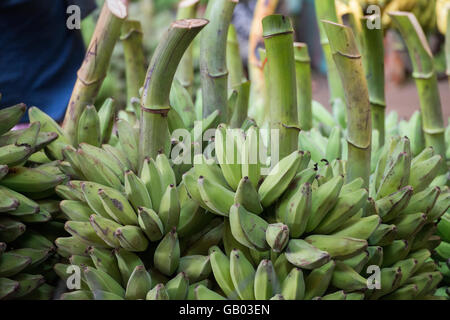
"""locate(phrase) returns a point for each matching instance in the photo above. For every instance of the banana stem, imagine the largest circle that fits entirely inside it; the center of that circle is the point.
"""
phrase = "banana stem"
(447, 44)
(187, 9)
(426, 80)
(234, 62)
(373, 60)
(213, 64)
(155, 105)
(135, 63)
(279, 41)
(349, 65)
(241, 107)
(257, 110)
(326, 10)
(92, 72)
(304, 86)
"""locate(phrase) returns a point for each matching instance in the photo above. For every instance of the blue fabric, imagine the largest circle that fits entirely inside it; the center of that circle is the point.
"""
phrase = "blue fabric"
(39, 56)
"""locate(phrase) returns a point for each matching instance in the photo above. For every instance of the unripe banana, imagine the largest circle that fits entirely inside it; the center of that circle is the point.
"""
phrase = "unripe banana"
(208, 168)
(105, 229)
(203, 293)
(131, 238)
(11, 264)
(266, 282)
(111, 162)
(105, 260)
(423, 201)
(389, 281)
(167, 254)
(117, 206)
(217, 198)
(106, 118)
(85, 232)
(347, 279)
(294, 208)
(169, 209)
(408, 267)
(196, 267)
(24, 179)
(304, 255)
(384, 235)
(333, 149)
(279, 178)
(251, 165)
(408, 292)
(89, 127)
(323, 200)
(396, 176)
(228, 152)
(277, 236)
(139, 284)
(178, 287)
(242, 275)
(293, 287)
(248, 228)
(391, 206)
(220, 265)
(247, 195)
(126, 261)
(136, 191)
(165, 170)
(358, 262)
(362, 228)
(128, 139)
(159, 292)
(424, 173)
(317, 282)
(10, 116)
(207, 240)
(96, 171)
(99, 280)
(409, 225)
(396, 251)
(68, 246)
(338, 247)
(151, 224)
(346, 207)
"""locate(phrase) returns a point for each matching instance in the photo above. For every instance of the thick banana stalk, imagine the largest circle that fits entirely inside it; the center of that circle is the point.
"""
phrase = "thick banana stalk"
(279, 41)
(95, 65)
(326, 10)
(213, 66)
(349, 64)
(154, 130)
(234, 61)
(187, 9)
(257, 110)
(135, 62)
(373, 60)
(426, 80)
(304, 85)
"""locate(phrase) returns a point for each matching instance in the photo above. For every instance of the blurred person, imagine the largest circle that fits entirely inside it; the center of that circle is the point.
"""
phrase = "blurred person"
(40, 55)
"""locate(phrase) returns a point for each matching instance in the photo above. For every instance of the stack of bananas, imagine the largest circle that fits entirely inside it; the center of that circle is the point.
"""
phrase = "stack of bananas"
(28, 209)
(228, 231)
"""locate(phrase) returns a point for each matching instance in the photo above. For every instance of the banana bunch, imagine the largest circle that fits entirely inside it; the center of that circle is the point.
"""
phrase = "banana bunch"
(29, 211)
(442, 254)
(134, 231)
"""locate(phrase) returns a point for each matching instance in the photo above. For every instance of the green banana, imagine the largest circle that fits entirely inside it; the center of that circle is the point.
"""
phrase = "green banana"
(346, 278)
(159, 292)
(247, 195)
(304, 255)
(151, 178)
(277, 236)
(266, 282)
(177, 288)
(338, 247)
(243, 275)
(106, 119)
(217, 198)
(167, 254)
(131, 238)
(169, 209)
(10, 116)
(317, 282)
(151, 224)
(293, 287)
(89, 127)
(139, 284)
(279, 178)
(196, 268)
